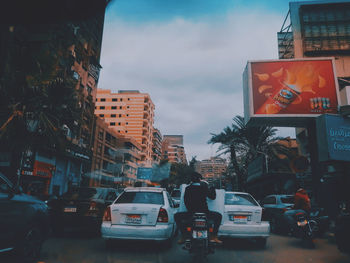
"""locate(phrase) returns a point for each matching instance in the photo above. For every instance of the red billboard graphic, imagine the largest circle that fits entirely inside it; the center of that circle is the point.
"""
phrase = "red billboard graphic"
(43, 169)
(294, 87)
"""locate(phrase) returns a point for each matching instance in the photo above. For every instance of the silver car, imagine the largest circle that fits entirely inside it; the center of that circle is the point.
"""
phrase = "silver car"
(242, 218)
(140, 213)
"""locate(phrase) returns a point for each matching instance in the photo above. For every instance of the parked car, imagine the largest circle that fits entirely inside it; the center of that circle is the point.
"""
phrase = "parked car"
(176, 196)
(140, 213)
(242, 218)
(83, 207)
(274, 207)
(24, 222)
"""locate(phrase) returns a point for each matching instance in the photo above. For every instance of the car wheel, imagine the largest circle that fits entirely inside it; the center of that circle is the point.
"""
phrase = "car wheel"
(29, 247)
(261, 242)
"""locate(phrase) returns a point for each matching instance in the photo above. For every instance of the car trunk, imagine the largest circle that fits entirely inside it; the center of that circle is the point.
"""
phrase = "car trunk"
(241, 214)
(135, 214)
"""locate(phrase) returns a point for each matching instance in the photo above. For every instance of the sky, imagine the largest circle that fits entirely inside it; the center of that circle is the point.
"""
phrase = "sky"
(189, 56)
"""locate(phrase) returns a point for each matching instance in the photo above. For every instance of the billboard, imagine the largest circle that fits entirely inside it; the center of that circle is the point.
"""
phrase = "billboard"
(333, 138)
(289, 92)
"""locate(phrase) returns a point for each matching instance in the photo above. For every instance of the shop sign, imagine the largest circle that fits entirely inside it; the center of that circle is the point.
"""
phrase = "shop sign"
(289, 92)
(43, 169)
(333, 138)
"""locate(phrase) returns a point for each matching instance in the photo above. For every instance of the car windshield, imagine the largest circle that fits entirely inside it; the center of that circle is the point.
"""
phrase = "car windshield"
(176, 194)
(141, 198)
(85, 193)
(239, 199)
(287, 200)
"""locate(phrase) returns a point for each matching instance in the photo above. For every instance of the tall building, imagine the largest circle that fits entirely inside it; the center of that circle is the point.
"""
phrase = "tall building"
(157, 145)
(129, 113)
(57, 64)
(211, 169)
(173, 149)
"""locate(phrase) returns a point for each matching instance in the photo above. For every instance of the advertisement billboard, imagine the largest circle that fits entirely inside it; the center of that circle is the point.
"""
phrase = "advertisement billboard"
(333, 138)
(289, 92)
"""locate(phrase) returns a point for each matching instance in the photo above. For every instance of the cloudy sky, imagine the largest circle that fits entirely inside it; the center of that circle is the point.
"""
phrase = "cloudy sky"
(189, 55)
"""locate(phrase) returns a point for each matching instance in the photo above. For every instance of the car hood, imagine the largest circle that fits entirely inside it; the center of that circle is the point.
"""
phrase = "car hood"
(26, 198)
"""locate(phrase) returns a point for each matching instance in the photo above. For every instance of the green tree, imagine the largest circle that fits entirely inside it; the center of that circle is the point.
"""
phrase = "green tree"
(244, 143)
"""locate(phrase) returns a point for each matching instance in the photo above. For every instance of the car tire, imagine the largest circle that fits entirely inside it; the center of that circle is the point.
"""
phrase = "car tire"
(29, 247)
(261, 242)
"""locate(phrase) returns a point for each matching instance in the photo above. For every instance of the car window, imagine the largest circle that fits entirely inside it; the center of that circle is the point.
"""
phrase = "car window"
(239, 199)
(4, 187)
(176, 194)
(85, 193)
(141, 198)
(271, 200)
(287, 200)
(112, 195)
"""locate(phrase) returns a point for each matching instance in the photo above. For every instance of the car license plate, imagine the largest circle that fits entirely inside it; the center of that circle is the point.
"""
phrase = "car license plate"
(238, 218)
(70, 210)
(133, 219)
(302, 223)
(200, 234)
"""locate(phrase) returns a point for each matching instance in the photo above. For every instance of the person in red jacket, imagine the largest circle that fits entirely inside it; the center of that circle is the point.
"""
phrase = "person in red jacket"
(301, 204)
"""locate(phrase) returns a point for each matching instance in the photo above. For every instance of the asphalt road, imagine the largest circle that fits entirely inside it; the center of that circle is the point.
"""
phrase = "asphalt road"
(79, 248)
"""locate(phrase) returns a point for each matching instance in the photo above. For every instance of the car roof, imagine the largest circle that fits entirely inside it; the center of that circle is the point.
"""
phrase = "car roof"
(279, 195)
(231, 192)
(144, 189)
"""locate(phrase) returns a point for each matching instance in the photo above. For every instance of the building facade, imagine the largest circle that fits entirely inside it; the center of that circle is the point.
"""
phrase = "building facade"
(212, 169)
(173, 149)
(157, 146)
(129, 113)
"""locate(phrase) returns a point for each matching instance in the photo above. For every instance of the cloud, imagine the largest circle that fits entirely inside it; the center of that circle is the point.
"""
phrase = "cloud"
(191, 69)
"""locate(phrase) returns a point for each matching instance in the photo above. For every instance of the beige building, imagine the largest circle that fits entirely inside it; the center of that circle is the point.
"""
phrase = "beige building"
(211, 169)
(173, 149)
(130, 113)
(115, 157)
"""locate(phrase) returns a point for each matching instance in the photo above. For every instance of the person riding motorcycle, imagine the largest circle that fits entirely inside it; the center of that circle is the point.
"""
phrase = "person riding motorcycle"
(195, 199)
(301, 204)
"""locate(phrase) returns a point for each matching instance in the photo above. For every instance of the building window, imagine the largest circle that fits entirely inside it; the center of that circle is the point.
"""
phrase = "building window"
(100, 135)
(127, 123)
(120, 107)
(119, 131)
(112, 124)
(102, 115)
(119, 123)
(96, 99)
(114, 99)
(102, 107)
(113, 115)
(121, 99)
(103, 99)
(128, 107)
(120, 115)
(114, 107)
(126, 131)
(128, 98)
(127, 115)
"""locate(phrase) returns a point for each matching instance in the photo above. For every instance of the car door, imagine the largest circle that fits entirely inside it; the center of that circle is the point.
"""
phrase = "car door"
(269, 203)
(10, 215)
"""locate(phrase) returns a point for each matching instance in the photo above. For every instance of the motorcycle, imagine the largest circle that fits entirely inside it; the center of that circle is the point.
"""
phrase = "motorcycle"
(198, 237)
(305, 228)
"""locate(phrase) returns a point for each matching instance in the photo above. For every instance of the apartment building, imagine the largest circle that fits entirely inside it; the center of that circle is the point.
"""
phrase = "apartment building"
(173, 149)
(115, 157)
(211, 169)
(157, 145)
(130, 113)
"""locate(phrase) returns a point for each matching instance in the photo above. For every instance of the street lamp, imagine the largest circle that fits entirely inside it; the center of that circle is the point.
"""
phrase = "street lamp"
(266, 160)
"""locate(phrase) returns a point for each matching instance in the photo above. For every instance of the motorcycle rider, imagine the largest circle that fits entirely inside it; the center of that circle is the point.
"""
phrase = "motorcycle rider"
(195, 199)
(301, 204)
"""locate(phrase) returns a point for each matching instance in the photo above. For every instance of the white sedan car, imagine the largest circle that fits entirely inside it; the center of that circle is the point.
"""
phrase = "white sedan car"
(140, 213)
(242, 218)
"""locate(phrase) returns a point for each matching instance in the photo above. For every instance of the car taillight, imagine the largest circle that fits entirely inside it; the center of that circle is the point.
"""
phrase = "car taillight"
(162, 216)
(93, 206)
(107, 215)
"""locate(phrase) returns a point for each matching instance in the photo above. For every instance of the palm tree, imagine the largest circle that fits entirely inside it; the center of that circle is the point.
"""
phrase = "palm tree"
(244, 143)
